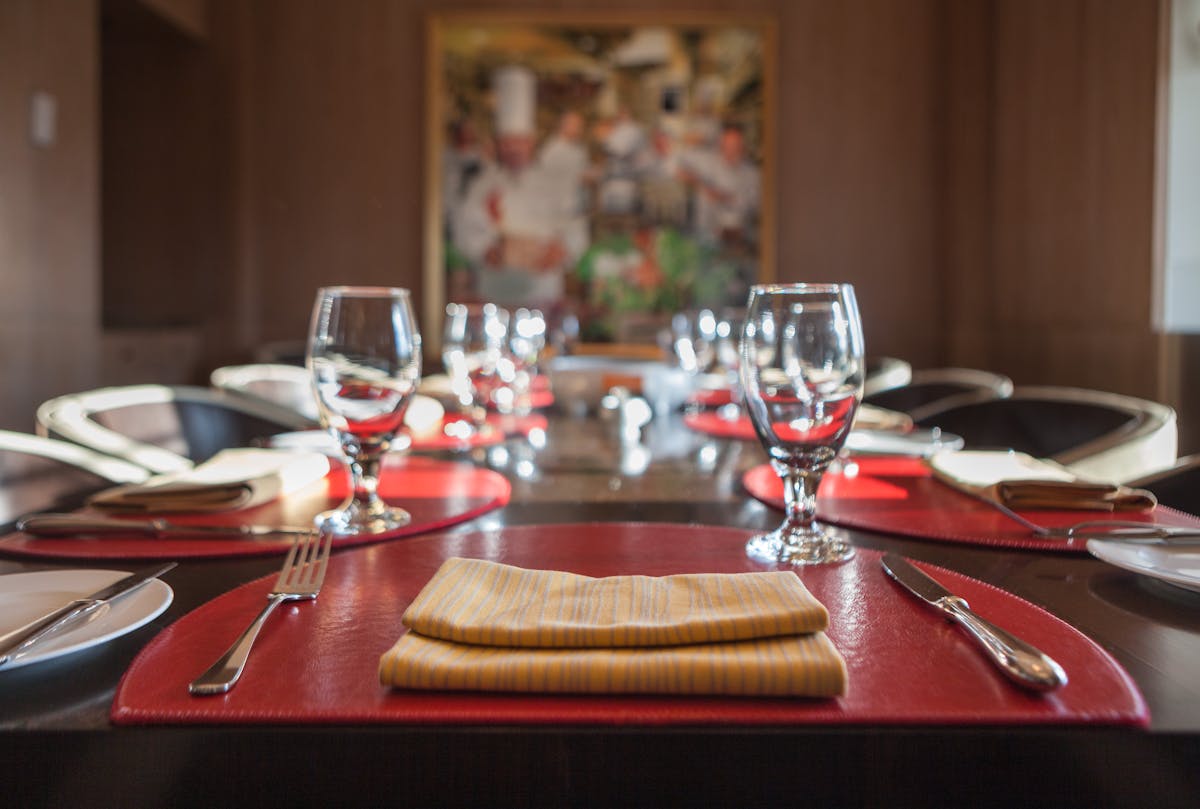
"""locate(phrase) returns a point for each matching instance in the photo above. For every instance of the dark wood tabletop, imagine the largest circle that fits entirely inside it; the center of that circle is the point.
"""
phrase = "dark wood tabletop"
(57, 746)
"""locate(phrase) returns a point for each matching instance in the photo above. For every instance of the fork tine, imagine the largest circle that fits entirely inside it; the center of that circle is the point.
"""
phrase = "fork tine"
(289, 563)
(324, 545)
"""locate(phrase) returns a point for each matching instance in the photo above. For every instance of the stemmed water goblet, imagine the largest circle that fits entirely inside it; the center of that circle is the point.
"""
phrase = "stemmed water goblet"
(523, 345)
(802, 374)
(364, 357)
(472, 348)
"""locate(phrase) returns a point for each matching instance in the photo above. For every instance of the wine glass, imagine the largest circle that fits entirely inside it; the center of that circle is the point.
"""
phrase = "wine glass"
(522, 349)
(472, 347)
(364, 357)
(802, 376)
(728, 356)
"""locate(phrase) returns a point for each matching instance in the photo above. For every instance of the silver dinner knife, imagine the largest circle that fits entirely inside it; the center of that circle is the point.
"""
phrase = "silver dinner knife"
(1024, 665)
(70, 525)
(19, 641)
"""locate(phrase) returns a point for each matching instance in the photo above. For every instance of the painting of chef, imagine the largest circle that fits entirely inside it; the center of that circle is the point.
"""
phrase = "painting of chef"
(608, 172)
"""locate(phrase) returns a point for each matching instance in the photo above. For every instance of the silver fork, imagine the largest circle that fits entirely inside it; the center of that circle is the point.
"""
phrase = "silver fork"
(300, 579)
(1124, 530)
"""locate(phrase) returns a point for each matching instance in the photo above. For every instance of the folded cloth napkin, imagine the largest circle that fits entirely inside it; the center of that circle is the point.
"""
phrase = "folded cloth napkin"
(231, 479)
(870, 417)
(1021, 481)
(483, 626)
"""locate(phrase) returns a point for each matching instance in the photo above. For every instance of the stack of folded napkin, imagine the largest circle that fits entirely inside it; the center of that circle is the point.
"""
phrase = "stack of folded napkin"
(483, 626)
(231, 479)
(1021, 481)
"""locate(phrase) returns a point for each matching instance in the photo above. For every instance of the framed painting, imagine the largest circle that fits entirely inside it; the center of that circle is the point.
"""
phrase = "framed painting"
(608, 169)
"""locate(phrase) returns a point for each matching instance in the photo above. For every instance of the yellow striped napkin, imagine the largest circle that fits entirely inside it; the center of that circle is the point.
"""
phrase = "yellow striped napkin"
(479, 625)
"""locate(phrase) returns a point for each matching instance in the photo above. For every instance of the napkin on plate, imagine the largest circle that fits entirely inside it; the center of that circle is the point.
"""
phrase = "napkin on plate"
(231, 479)
(484, 626)
(1021, 481)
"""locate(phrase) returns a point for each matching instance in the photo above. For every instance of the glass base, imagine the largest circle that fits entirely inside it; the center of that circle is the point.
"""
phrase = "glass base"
(787, 546)
(355, 521)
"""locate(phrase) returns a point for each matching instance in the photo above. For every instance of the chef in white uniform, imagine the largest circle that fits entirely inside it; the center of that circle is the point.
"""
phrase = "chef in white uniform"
(519, 224)
(727, 188)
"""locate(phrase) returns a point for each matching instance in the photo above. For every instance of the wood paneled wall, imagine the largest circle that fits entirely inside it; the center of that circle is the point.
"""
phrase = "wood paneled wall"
(1051, 191)
(49, 227)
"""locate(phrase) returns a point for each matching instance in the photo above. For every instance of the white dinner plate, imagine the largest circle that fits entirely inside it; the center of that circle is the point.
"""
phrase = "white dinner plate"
(1179, 566)
(25, 597)
(918, 443)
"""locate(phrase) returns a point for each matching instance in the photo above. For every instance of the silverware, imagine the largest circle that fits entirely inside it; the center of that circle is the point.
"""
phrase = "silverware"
(300, 579)
(1123, 530)
(22, 639)
(73, 525)
(1022, 663)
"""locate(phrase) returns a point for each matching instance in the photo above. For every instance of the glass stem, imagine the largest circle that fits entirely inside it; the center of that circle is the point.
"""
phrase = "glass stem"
(365, 471)
(800, 497)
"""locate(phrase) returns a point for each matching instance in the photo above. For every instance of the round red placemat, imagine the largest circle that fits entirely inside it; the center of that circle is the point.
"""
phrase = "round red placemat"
(438, 494)
(710, 397)
(900, 496)
(712, 423)
(906, 664)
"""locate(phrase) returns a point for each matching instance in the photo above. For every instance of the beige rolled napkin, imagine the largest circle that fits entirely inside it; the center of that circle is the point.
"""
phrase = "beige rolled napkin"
(483, 626)
(231, 479)
(1021, 481)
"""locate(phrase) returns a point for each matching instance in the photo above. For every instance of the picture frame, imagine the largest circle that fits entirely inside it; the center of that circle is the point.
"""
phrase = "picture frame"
(609, 169)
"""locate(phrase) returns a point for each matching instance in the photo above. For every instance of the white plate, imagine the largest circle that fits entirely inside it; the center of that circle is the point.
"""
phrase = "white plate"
(25, 597)
(919, 443)
(1179, 566)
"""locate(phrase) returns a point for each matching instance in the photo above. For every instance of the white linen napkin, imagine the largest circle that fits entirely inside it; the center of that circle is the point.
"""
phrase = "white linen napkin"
(1018, 480)
(231, 479)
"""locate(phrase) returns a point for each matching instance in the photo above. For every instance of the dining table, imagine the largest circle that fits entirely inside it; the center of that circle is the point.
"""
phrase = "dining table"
(60, 745)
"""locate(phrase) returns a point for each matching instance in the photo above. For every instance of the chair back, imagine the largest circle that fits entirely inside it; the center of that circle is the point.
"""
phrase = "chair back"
(932, 390)
(1177, 486)
(164, 428)
(885, 373)
(288, 386)
(43, 474)
(1098, 435)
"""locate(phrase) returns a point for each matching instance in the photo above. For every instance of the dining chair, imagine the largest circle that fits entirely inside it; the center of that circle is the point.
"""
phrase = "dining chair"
(164, 428)
(885, 373)
(1177, 486)
(289, 386)
(44, 474)
(931, 390)
(1098, 435)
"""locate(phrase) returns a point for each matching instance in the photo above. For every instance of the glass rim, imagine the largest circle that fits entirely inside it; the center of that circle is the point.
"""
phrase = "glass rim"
(364, 291)
(829, 287)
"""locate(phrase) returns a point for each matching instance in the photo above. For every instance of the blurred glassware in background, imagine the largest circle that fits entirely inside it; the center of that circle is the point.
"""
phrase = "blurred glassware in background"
(473, 344)
(525, 339)
(693, 338)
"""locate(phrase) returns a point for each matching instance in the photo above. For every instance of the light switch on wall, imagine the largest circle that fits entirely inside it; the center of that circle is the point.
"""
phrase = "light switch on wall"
(43, 119)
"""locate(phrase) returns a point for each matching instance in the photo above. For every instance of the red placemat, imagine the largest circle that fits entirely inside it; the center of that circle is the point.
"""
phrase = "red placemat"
(710, 397)
(900, 496)
(501, 427)
(712, 423)
(906, 664)
(438, 494)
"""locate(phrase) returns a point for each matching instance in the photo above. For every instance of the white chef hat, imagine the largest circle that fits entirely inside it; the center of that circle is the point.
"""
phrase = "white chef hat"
(515, 90)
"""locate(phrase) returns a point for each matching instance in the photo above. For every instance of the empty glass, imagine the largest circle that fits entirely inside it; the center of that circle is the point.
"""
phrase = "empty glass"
(472, 347)
(802, 376)
(523, 345)
(364, 356)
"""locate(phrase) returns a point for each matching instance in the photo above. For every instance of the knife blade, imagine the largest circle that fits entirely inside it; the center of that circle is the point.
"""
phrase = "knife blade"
(22, 639)
(74, 525)
(1022, 663)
